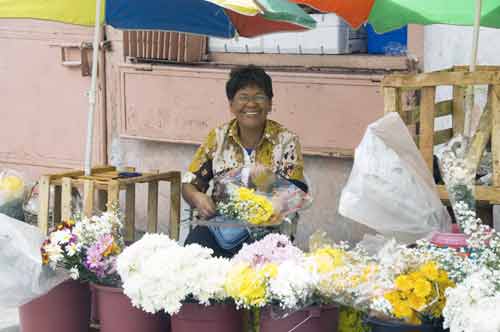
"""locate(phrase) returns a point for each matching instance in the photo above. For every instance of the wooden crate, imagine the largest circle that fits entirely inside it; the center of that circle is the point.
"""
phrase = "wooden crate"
(420, 118)
(105, 183)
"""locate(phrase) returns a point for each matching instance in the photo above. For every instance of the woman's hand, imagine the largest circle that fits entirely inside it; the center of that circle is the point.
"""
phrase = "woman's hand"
(204, 204)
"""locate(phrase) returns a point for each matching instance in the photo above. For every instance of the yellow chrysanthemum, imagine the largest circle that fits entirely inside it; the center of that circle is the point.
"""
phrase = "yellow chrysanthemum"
(422, 288)
(404, 283)
(415, 302)
(402, 310)
(430, 271)
(246, 285)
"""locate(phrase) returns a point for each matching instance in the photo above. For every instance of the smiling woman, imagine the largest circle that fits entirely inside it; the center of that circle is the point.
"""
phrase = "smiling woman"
(249, 139)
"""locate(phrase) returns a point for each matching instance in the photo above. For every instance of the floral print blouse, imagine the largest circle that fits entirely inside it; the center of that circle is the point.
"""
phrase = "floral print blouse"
(279, 149)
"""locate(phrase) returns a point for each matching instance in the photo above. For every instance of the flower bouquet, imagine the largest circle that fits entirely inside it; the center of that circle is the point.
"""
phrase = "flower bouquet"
(255, 196)
(160, 275)
(278, 283)
(86, 247)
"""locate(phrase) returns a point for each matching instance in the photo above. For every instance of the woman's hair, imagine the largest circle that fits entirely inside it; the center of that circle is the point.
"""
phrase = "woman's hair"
(250, 75)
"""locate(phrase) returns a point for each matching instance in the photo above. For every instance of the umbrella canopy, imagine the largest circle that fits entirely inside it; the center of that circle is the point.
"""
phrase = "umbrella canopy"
(387, 15)
(191, 16)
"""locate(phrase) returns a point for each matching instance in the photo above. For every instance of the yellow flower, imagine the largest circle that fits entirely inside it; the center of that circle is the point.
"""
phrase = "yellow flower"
(269, 270)
(422, 288)
(430, 271)
(415, 302)
(404, 283)
(11, 184)
(402, 310)
(244, 284)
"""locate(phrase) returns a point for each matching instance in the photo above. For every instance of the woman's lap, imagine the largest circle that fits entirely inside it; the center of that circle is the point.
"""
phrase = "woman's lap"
(204, 237)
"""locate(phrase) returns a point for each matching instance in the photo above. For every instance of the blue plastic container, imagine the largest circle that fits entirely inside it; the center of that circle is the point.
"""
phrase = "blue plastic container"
(390, 43)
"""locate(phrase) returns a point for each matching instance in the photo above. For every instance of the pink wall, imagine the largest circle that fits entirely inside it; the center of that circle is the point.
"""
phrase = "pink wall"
(44, 109)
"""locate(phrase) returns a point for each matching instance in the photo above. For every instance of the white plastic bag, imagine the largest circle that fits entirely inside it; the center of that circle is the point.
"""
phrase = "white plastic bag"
(390, 188)
(22, 275)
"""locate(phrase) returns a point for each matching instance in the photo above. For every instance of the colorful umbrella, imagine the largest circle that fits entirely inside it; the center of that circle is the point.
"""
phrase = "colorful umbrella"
(191, 16)
(202, 17)
(387, 15)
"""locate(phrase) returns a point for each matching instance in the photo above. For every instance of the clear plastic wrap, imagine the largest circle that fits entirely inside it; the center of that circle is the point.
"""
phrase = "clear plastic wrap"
(22, 275)
(255, 196)
(390, 188)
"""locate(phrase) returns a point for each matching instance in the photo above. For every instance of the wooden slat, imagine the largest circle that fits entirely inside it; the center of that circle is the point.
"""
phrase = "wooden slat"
(392, 101)
(43, 197)
(482, 193)
(133, 44)
(443, 108)
(478, 68)
(494, 98)
(441, 78)
(442, 136)
(481, 136)
(88, 198)
(138, 43)
(165, 45)
(70, 174)
(458, 109)
(152, 226)
(102, 198)
(148, 45)
(181, 48)
(130, 213)
(66, 199)
(57, 205)
(167, 176)
(113, 193)
(175, 208)
(173, 44)
(156, 45)
(126, 43)
(427, 124)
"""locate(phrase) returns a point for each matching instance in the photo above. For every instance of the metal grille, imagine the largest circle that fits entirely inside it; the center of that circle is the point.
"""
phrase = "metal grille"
(167, 46)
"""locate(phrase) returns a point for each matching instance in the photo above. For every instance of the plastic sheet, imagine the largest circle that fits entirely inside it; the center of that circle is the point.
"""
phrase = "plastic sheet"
(255, 196)
(391, 189)
(22, 276)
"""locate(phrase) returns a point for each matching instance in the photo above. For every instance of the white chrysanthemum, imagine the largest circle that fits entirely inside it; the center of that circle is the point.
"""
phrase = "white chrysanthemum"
(294, 284)
(158, 274)
(473, 305)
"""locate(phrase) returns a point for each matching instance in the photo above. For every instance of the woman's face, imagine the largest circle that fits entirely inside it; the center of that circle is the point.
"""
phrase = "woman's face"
(250, 106)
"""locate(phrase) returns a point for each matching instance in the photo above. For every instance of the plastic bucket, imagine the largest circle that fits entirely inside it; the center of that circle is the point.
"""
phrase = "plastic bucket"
(377, 325)
(194, 317)
(116, 313)
(311, 319)
(66, 307)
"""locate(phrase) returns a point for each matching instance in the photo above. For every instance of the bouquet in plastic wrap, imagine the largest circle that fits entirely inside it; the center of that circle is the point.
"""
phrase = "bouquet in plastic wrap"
(255, 196)
(86, 247)
(12, 190)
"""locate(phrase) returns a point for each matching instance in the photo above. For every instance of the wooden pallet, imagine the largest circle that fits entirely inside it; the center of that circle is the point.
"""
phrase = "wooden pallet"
(106, 184)
(420, 119)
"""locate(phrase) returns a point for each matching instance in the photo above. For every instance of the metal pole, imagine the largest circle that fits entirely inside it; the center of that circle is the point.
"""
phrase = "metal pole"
(93, 89)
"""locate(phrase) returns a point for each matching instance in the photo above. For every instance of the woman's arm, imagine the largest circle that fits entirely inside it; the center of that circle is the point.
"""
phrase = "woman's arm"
(196, 199)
